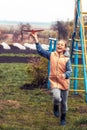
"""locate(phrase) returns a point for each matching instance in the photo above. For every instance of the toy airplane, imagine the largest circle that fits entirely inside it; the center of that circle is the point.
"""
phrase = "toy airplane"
(33, 30)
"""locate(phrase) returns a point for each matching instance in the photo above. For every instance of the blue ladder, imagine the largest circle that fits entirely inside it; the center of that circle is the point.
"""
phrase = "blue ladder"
(79, 40)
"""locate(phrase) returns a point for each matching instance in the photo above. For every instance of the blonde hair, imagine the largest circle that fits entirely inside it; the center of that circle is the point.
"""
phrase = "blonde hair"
(64, 41)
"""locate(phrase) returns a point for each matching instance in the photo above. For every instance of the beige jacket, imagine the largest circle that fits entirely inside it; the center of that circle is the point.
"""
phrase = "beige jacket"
(58, 67)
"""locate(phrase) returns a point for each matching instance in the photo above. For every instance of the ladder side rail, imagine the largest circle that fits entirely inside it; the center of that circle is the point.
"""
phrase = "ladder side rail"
(83, 55)
(76, 70)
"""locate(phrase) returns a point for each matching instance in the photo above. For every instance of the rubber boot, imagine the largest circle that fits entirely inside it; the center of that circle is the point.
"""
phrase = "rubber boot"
(56, 110)
(63, 119)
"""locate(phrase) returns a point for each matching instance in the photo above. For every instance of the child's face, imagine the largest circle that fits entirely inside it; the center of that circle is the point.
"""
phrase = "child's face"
(60, 47)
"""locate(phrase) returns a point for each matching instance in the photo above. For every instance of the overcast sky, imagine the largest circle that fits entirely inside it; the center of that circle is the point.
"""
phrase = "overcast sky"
(37, 10)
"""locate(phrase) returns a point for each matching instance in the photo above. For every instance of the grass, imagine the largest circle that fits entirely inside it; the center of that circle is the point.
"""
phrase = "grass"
(32, 109)
(19, 55)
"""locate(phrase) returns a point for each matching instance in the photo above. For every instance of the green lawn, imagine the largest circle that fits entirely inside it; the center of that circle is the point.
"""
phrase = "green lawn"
(32, 109)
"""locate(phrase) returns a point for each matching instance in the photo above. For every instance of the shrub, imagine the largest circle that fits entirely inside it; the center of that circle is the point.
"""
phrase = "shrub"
(39, 72)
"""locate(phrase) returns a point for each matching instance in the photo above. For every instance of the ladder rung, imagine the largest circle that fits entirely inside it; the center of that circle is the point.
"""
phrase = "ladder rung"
(76, 78)
(78, 40)
(85, 26)
(85, 40)
(77, 50)
(77, 66)
(83, 12)
(78, 53)
(77, 90)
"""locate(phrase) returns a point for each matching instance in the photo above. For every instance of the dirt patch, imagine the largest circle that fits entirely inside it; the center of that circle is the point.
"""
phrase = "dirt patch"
(16, 59)
(9, 103)
(16, 50)
(76, 96)
(83, 109)
(28, 87)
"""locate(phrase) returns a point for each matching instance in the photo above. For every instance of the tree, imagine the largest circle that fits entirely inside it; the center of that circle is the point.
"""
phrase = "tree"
(62, 29)
(22, 27)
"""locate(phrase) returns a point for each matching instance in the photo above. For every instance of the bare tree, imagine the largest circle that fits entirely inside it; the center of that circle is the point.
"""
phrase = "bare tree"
(23, 27)
(62, 29)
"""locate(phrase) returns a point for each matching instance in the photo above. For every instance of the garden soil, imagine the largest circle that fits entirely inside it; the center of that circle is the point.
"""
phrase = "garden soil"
(17, 59)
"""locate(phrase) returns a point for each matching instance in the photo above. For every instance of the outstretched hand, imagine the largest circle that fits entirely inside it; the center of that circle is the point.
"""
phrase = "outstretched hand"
(34, 36)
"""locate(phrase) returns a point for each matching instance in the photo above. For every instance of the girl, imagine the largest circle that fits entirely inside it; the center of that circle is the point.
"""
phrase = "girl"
(60, 72)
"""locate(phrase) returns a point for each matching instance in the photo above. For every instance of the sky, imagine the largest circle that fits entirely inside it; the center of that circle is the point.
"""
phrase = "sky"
(37, 10)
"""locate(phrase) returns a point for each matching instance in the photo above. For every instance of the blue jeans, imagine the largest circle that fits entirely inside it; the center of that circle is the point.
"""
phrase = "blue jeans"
(60, 97)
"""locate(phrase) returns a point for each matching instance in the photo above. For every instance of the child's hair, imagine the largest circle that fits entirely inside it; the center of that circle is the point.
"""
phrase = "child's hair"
(64, 41)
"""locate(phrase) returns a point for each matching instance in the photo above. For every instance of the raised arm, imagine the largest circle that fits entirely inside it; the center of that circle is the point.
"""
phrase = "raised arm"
(39, 48)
